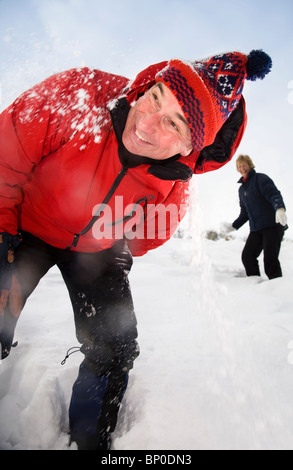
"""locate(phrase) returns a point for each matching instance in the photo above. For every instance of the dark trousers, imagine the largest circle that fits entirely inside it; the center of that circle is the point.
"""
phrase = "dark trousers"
(269, 241)
(105, 326)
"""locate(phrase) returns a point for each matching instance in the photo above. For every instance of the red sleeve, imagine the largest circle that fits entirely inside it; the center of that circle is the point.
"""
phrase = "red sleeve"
(23, 127)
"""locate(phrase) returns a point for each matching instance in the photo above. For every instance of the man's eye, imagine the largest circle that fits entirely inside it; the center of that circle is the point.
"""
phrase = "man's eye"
(155, 96)
(174, 125)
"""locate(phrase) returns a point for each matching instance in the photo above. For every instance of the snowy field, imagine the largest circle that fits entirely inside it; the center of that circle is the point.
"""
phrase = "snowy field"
(216, 364)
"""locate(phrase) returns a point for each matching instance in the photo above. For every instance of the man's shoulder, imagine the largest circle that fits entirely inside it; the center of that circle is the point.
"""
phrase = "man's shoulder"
(87, 75)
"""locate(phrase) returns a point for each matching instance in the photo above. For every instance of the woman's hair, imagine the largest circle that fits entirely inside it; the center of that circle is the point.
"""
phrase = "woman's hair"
(246, 159)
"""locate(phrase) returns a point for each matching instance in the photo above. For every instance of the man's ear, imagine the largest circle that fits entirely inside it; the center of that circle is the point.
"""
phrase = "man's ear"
(186, 151)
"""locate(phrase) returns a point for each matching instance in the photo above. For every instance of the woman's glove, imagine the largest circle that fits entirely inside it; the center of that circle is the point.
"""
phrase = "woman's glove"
(226, 228)
(281, 216)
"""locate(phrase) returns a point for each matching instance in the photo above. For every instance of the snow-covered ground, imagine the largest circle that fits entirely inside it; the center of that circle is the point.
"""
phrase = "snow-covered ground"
(216, 363)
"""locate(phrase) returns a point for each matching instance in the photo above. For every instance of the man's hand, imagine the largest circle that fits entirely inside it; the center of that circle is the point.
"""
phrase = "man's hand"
(7, 327)
(8, 243)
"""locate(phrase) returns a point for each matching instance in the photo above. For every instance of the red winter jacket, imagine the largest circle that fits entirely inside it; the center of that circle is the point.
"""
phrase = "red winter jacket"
(66, 178)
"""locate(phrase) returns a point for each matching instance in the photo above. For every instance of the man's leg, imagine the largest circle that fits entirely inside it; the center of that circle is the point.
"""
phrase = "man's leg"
(106, 327)
(272, 238)
(31, 262)
(252, 249)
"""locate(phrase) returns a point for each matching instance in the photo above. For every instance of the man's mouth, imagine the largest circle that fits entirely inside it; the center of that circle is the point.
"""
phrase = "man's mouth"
(141, 137)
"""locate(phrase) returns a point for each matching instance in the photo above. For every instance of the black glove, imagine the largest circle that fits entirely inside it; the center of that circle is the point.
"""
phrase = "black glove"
(7, 322)
(8, 243)
(7, 327)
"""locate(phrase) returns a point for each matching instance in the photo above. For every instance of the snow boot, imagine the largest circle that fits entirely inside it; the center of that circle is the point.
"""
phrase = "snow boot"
(94, 408)
(95, 442)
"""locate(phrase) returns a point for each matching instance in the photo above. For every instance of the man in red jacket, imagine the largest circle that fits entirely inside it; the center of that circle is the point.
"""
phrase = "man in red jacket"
(95, 169)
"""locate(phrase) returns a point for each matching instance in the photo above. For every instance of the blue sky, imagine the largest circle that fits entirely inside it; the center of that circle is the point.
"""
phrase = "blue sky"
(41, 37)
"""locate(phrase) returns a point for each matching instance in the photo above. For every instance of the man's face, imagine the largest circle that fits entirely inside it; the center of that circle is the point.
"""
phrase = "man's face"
(156, 126)
(243, 168)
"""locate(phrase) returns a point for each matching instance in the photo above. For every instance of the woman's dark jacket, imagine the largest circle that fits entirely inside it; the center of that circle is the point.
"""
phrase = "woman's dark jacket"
(259, 199)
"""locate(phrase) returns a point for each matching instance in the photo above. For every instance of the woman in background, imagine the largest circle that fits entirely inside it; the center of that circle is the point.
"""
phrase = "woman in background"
(261, 204)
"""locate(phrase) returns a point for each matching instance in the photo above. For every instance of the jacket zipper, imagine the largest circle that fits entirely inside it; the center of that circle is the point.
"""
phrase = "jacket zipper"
(101, 208)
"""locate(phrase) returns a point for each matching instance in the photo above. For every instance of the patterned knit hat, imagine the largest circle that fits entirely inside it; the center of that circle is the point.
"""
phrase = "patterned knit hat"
(209, 90)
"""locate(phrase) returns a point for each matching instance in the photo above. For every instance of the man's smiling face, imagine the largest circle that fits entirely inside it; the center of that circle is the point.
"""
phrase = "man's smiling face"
(156, 126)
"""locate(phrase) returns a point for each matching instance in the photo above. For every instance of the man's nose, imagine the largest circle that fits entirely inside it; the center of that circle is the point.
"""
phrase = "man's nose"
(150, 120)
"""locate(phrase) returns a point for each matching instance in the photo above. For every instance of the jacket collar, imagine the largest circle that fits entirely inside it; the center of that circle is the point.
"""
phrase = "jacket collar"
(170, 169)
(250, 174)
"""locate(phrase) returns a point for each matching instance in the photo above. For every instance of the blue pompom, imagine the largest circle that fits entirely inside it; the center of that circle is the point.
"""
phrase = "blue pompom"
(258, 65)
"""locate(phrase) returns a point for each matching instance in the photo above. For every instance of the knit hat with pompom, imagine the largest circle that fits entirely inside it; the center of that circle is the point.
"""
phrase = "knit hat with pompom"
(209, 90)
